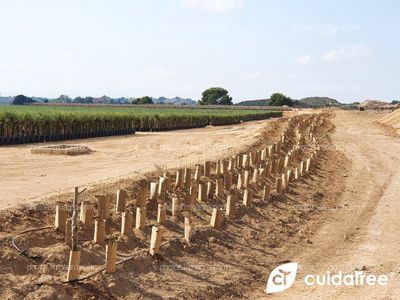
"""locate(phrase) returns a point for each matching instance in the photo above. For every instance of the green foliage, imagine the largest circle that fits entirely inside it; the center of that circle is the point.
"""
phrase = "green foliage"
(215, 96)
(21, 100)
(251, 103)
(143, 100)
(278, 99)
(18, 121)
(395, 102)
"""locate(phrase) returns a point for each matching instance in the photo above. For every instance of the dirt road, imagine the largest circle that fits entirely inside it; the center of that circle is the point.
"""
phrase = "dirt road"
(364, 236)
(25, 176)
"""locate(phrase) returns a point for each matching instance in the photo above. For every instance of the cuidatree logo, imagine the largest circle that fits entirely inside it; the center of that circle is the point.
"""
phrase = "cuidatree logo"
(281, 278)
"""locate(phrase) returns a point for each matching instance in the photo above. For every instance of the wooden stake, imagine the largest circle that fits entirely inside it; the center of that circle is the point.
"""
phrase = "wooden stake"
(239, 161)
(266, 193)
(228, 181)
(162, 189)
(274, 166)
(167, 180)
(68, 232)
(286, 162)
(142, 196)
(188, 229)
(187, 201)
(296, 173)
(246, 179)
(239, 182)
(224, 167)
(276, 148)
(161, 213)
(270, 151)
(207, 169)
(279, 185)
(267, 169)
(141, 217)
(61, 217)
(308, 162)
(127, 223)
(247, 198)
(121, 200)
(252, 159)
(216, 218)
(202, 196)
(73, 264)
(102, 211)
(153, 191)
(210, 190)
(99, 230)
(193, 193)
(230, 206)
(218, 168)
(262, 174)
(263, 154)
(288, 176)
(86, 215)
(111, 257)
(284, 181)
(255, 176)
(231, 165)
(198, 173)
(179, 181)
(155, 242)
(188, 178)
(245, 161)
(176, 208)
(218, 187)
(74, 221)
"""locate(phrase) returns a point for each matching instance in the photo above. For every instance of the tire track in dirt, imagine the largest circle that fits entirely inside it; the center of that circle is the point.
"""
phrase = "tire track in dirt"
(365, 236)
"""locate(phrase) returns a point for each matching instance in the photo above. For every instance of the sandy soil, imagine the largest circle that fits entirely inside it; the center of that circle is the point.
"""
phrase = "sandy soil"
(343, 216)
(364, 236)
(27, 177)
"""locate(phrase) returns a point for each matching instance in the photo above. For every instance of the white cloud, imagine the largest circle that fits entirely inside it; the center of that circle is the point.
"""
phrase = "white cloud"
(351, 51)
(305, 60)
(215, 5)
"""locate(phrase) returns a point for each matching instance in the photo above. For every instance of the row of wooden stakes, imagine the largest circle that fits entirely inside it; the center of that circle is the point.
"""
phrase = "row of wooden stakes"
(253, 168)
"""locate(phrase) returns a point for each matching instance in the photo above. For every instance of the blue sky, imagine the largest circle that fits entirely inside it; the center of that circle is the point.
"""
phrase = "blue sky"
(348, 50)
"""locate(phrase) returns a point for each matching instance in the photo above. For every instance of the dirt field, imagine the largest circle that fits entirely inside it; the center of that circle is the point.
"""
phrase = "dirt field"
(364, 235)
(341, 217)
(28, 177)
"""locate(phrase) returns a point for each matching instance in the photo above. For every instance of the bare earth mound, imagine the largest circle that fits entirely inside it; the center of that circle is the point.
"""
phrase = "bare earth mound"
(62, 150)
(391, 120)
(375, 104)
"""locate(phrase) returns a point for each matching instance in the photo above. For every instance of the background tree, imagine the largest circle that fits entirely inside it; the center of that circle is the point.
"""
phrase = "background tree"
(78, 99)
(21, 100)
(88, 100)
(278, 99)
(215, 96)
(64, 99)
(143, 100)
